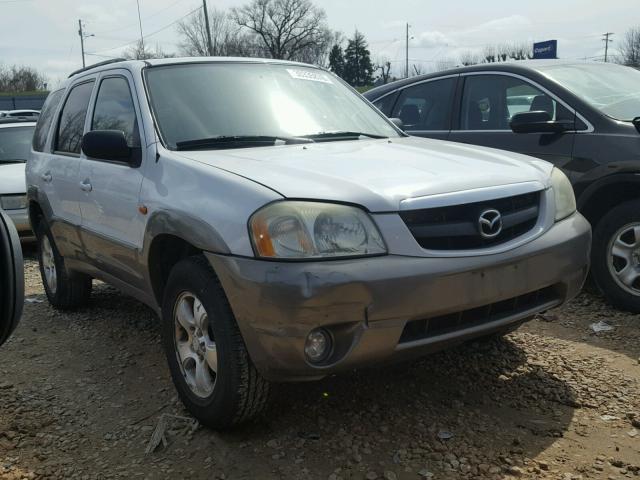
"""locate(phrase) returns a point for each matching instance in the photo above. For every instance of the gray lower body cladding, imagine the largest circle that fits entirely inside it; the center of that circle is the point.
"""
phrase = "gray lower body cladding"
(381, 308)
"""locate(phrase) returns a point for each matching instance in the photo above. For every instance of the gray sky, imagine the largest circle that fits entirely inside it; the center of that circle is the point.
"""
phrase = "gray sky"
(43, 33)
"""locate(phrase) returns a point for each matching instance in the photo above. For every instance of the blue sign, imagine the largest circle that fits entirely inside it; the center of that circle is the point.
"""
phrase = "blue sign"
(548, 49)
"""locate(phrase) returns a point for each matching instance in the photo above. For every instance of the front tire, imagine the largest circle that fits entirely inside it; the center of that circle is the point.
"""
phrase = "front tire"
(65, 290)
(615, 256)
(207, 357)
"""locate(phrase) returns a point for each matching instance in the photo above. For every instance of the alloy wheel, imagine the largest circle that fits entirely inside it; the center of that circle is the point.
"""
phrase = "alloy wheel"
(195, 345)
(49, 265)
(624, 258)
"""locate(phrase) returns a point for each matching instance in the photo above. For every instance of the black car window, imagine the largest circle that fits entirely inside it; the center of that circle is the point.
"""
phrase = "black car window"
(115, 111)
(490, 101)
(46, 118)
(74, 112)
(385, 104)
(426, 106)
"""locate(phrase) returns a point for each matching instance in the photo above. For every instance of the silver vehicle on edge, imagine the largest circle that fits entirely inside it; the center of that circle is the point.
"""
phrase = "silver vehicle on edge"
(283, 228)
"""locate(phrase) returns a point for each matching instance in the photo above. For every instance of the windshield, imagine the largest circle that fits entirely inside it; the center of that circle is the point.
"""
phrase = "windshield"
(15, 143)
(612, 89)
(224, 100)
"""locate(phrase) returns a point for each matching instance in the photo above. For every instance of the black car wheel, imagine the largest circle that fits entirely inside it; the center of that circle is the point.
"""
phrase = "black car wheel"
(208, 360)
(65, 290)
(11, 278)
(616, 256)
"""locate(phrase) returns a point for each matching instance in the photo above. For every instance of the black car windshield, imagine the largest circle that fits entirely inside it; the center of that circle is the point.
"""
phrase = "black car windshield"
(256, 100)
(15, 143)
(612, 89)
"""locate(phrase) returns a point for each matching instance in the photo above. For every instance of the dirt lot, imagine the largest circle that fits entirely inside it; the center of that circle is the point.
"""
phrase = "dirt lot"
(81, 394)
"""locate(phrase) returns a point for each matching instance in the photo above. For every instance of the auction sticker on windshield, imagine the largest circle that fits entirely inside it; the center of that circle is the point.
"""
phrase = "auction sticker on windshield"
(309, 75)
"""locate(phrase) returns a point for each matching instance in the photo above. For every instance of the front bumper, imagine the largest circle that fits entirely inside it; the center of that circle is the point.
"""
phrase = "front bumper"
(391, 306)
(20, 219)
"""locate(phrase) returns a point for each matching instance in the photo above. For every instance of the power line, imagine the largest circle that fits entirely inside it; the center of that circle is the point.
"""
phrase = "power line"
(150, 34)
(148, 17)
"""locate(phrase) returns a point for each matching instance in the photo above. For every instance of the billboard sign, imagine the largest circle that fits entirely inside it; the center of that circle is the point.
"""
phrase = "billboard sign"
(548, 49)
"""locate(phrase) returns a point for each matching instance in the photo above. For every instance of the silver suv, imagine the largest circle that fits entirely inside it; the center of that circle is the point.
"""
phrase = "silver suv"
(282, 228)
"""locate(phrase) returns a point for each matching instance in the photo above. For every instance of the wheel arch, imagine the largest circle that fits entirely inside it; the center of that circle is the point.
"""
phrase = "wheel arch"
(171, 237)
(601, 196)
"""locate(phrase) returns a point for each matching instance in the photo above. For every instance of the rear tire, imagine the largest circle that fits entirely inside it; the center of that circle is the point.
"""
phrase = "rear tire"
(208, 360)
(65, 290)
(615, 257)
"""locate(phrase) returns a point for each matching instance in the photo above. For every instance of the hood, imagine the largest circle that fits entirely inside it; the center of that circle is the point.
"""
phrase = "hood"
(377, 174)
(12, 179)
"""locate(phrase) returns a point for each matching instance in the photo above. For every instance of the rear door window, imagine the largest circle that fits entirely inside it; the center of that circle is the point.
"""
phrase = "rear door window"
(46, 118)
(74, 113)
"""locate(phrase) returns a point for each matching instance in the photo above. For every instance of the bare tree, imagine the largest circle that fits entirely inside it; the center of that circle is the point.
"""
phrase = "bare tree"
(445, 63)
(630, 48)
(521, 51)
(469, 58)
(383, 65)
(226, 37)
(489, 53)
(21, 79)
(142, 51)
(417, 69)
(287, 28)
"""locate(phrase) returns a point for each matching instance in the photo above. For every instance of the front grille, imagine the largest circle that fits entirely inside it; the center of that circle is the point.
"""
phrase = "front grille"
(435, 326)
(456, 227)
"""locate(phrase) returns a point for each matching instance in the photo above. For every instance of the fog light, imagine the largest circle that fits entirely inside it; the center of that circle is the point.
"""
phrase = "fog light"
(318, 345)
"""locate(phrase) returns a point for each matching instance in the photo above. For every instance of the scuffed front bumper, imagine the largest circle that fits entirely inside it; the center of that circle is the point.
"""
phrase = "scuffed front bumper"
(20, 219)
(384, 307)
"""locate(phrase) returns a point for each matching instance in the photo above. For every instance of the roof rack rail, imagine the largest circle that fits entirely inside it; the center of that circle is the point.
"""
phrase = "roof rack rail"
(99, 64)
(5, 120)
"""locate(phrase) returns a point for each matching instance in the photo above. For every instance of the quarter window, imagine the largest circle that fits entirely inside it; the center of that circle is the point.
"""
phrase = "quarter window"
(385, 104)
(490, 101)
(46, 118)
(115, 111)
(74, 112)
(426, 106)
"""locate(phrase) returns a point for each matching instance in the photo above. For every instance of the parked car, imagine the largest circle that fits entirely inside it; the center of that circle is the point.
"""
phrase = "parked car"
(284, 229)
(582, 117)
(11, 278)
(31, 114)
(15, 144)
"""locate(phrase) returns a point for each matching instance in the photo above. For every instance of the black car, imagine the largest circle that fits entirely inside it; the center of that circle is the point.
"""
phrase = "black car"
(583, 117)
(11, 278)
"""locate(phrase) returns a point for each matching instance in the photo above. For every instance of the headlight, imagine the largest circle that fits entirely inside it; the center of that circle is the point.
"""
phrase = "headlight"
(563, 193)
(13, 202)
(307, 230)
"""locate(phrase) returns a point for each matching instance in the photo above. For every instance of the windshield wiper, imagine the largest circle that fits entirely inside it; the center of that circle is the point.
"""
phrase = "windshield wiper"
(12, 160)
(346, 135)
(239, 141)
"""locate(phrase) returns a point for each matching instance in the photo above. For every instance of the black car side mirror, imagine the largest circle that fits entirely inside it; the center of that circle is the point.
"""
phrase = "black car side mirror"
(636, 122)
(110, 145)
(398, 123)
(538, 122)
(11, 278)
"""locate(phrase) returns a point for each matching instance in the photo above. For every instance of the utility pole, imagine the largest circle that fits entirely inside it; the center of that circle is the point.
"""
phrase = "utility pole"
(206, 22)
(606, 41)
(406, 68)
(141, 36)
(81, 41)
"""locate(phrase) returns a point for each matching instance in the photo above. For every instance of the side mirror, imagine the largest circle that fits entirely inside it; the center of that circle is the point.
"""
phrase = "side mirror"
(636, 122)
(11, 278)
(108, 145)
(538, 122)
(398, 123)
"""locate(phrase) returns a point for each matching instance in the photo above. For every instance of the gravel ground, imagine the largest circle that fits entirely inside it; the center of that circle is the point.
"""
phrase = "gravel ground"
(81, 394)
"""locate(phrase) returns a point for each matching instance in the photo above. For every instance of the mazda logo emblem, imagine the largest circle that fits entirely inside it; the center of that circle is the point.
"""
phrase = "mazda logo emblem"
(490, 223)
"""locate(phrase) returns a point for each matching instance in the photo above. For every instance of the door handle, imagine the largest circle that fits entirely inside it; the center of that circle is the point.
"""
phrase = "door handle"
(46, 177)
(86, 186)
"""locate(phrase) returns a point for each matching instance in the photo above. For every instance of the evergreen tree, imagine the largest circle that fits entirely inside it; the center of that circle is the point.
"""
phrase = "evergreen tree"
(358, 69)
(336, 60)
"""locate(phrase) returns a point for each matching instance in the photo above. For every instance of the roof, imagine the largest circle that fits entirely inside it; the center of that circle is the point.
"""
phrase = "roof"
(513, 66)
(139, 64)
